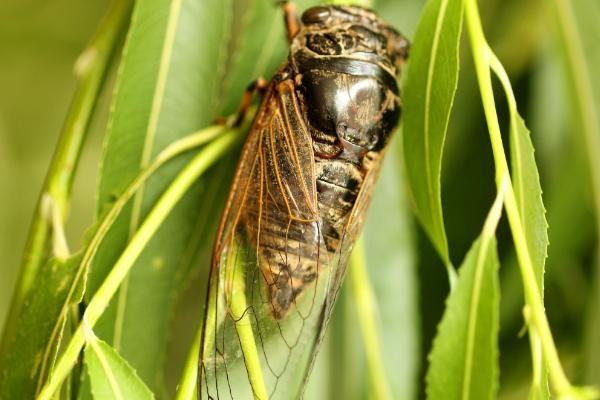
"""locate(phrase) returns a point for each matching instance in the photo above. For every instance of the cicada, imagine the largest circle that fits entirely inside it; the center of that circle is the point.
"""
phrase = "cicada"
(298, 201)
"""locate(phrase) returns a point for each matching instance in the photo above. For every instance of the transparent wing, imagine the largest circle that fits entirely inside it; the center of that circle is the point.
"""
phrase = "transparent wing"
(270, 272)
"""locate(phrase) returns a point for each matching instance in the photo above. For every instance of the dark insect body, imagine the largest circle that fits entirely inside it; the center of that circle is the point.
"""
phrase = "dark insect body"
(299, 199)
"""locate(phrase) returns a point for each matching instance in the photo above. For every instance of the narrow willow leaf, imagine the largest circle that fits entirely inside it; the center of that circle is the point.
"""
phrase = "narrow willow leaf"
(167, 88)
(528, 199)
(528, 192)
(428, 96)
(110, 375)
(526, 183)
(578, 38)
(464, 359)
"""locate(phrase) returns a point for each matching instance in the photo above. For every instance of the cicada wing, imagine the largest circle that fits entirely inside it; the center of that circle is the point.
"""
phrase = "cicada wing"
(270, 272)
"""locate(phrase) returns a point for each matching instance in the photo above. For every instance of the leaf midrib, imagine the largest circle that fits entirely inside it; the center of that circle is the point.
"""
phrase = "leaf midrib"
(473, 310)
(110, 377)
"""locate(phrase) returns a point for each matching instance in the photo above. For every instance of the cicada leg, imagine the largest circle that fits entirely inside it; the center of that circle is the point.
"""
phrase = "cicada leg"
(258, 86)
(290, 18)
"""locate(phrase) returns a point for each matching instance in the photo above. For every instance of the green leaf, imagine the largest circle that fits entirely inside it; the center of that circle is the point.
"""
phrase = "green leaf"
(428, 96)
(528, 192)
(168, 87)
(111, 376)
(32, 352)
(464, 359)
(531, 211)
(526, 183)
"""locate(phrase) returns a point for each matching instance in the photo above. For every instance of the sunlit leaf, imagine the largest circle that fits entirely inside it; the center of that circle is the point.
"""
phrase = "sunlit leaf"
(528, 192)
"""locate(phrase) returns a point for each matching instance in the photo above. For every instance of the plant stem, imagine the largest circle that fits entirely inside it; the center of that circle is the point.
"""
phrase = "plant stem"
(243, 326)
(91, 70)
(186, 389)
(194, 169)
(482, 56)
(366, 312)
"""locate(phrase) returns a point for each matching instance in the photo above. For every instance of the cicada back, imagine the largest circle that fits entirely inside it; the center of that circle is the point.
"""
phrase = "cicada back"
(298, 202)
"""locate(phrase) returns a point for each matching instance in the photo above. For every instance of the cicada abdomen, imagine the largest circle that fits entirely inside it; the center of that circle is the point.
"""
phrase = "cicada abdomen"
(298, 202)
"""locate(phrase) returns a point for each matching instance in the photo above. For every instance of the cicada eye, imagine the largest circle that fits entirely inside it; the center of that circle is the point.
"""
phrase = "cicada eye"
(316, 15)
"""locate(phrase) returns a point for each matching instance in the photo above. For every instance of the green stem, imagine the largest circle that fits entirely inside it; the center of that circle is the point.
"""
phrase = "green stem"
(366, 312)
(91, 70)
(243, 326)
(186, 390)
(203, 160)
(210, 324)
(483, 58)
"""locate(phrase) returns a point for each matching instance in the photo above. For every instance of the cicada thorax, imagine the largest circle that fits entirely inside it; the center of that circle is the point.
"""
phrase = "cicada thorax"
(341, 76)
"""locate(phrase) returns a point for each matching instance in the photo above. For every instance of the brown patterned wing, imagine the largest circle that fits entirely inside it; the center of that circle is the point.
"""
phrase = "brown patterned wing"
(269, 277)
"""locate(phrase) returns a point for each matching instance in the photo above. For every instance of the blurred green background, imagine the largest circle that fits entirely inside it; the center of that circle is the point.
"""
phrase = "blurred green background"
(40, 41)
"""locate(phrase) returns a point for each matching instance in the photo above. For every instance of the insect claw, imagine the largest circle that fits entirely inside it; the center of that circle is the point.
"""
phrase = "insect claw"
(220, 121)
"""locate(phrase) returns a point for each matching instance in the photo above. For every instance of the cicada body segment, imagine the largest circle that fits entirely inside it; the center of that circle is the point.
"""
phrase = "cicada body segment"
(298, 202)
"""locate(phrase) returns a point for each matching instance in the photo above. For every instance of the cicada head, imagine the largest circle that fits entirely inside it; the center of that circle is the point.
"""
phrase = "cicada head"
(353, 31)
